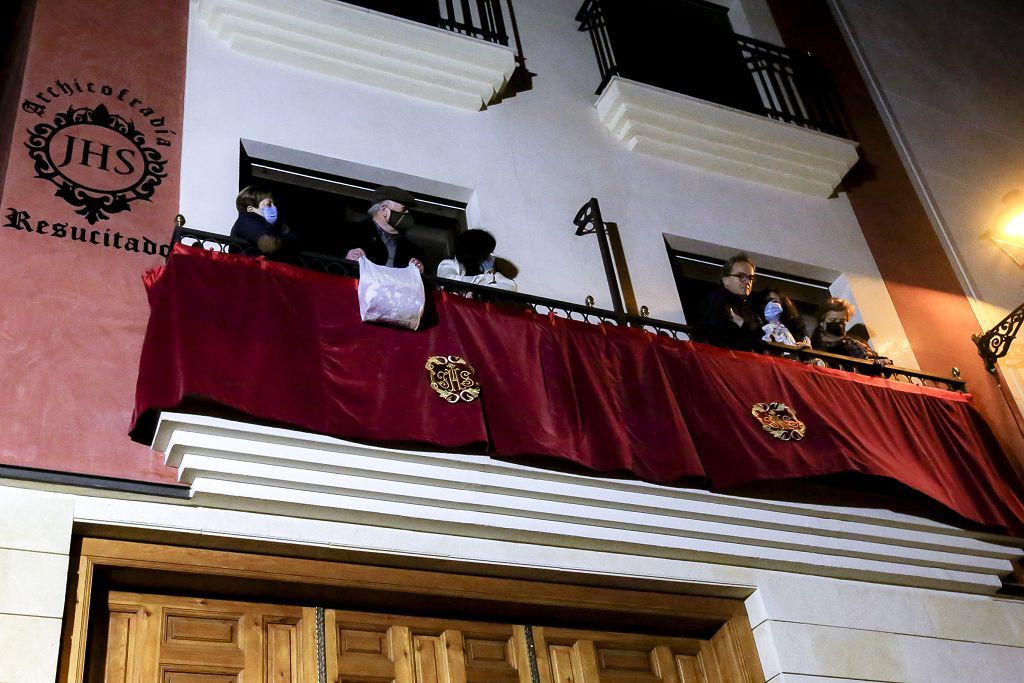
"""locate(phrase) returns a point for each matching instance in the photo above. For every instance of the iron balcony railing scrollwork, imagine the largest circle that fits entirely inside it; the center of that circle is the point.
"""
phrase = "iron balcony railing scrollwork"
(489, 20)
(579, 312)
(780, 83)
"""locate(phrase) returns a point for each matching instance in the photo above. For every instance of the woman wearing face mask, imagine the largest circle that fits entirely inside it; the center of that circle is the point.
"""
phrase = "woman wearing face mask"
(474, 262)
(257, 221)
(785, 324)
(831, 334)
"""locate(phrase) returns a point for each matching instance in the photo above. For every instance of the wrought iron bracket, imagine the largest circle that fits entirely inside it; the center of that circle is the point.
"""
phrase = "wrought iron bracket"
(995, 343)
(588, 221)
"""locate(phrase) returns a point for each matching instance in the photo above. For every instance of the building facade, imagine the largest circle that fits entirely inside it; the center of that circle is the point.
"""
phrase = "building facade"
(241, 544)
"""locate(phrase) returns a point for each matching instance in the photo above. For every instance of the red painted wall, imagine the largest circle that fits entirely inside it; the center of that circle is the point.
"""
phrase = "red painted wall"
(73, 307)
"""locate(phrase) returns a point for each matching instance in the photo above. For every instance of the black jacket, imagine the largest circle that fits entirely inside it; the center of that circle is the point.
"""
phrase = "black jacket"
(367, 236)
(717, 326)
(252, 226)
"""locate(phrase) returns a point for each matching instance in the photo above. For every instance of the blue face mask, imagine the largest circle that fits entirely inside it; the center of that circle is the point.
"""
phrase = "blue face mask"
(772, 311)
(487, 264)
(269, 213)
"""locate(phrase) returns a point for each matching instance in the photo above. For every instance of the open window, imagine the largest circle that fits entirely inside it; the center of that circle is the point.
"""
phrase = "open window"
(320, 199)
(699, 274)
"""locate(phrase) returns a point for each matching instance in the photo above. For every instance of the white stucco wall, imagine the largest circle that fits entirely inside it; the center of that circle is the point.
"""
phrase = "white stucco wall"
(530, 162)
(949, 73)
(35, 539)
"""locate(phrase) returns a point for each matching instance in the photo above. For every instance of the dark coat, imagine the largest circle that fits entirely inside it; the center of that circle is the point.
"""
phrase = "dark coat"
(252, 226)
(846, 346)
(366, 235)
(717, 326)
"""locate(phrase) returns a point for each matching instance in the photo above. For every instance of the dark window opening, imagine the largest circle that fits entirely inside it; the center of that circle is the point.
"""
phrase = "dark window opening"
(320, 208)
(697, 276)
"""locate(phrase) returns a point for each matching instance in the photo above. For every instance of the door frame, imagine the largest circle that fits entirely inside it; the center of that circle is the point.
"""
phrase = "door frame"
(100, 564)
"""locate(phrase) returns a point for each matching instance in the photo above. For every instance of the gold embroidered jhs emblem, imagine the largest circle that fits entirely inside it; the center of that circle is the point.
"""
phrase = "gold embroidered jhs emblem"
(779, 420)
(452, 378)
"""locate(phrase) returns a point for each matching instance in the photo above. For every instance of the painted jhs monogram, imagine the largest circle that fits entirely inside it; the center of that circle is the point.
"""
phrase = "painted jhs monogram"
(98, 154)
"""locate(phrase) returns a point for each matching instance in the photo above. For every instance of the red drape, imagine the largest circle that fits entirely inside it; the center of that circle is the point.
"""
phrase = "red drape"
(285, 344)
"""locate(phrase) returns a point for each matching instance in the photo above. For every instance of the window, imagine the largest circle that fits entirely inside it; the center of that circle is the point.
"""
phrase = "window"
(320, 205)
(698, 275)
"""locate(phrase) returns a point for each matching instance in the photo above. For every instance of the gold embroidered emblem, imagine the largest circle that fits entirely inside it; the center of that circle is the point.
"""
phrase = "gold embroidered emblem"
(452, 378)
(779, 420)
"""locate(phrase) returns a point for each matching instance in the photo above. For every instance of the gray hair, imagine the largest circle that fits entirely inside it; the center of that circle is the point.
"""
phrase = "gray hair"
(375, 208)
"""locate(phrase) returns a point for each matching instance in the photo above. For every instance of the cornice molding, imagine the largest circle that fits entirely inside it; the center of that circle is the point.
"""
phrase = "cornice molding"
(243, 467)
(715, 138)
(361, 45)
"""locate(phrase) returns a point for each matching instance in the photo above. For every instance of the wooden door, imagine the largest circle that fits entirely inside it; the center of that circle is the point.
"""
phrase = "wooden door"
(575, 656)
(378, 648)
(160, 639)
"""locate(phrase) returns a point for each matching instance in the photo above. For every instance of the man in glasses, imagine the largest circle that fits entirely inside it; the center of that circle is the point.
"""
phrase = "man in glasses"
(729, 319)
(381, 236)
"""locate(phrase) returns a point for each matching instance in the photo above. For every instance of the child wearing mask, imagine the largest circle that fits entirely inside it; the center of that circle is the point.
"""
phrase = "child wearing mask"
(257, 221)
(784, 323)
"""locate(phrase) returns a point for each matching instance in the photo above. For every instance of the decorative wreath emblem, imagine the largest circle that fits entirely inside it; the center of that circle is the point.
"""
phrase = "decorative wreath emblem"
(452, 378)
(99, 161)
(779, 420)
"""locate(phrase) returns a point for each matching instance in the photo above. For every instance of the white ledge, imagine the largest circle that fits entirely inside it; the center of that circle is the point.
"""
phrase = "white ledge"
(357, 44)
(720, 139)
(237, 466)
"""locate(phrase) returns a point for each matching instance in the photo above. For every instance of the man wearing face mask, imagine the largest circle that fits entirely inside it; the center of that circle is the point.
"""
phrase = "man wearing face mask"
(380, 237)
(729, 319)
(258, 223)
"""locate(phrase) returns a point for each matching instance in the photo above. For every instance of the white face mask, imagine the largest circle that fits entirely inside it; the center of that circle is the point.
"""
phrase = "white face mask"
(772, 311)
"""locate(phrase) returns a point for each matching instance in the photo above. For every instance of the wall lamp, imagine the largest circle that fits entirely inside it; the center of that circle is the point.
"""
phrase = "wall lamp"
(1008, 233)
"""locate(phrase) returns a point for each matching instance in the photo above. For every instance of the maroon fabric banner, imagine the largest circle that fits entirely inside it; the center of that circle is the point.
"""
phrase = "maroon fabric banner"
(286, 345)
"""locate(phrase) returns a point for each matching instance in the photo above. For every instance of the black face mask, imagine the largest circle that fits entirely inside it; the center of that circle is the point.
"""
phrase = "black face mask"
(835, 328)
(401, 222)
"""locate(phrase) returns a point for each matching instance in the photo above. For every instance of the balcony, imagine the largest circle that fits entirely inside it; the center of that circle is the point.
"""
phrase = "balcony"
(263, 389)
(453, 55)
(708, 98)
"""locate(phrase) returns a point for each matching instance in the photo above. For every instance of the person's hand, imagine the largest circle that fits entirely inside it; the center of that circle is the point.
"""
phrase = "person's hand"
(355, 254)
(268, 244)
(416, 262)
(735, 318)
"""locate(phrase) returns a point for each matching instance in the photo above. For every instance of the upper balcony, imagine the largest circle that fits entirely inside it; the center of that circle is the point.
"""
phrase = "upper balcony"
(678, 84)
(451, 53)
(602, 428)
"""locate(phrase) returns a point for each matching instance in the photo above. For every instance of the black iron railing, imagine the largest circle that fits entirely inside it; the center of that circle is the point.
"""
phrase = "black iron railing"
(588, 314)
(489, 20)
(784, 84)
(794, 86)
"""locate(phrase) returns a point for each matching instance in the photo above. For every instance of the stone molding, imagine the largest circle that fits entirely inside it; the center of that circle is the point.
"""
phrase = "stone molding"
(715, 138)
(361, 45)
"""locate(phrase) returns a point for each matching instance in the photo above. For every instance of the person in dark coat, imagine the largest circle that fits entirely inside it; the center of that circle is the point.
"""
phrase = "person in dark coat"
(729, 318)
(258, 223)
(831, 334)
(380, 236)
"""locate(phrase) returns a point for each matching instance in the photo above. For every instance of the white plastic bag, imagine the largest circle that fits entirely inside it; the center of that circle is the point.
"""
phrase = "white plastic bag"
(393, 296)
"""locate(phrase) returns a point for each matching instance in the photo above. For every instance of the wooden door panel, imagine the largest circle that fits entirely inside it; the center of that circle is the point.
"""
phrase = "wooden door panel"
(162, 639)
(174, 675)
(121, 648)
(374, 648)
(595, 657)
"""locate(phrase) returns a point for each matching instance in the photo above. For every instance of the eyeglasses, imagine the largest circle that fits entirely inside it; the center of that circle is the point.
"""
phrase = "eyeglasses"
(743, 277)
